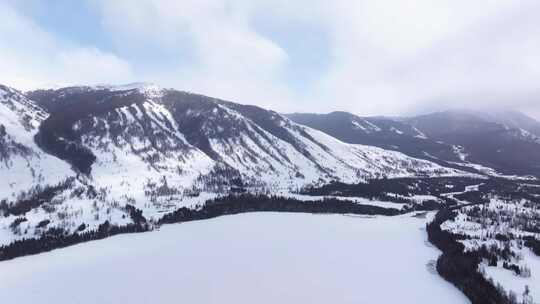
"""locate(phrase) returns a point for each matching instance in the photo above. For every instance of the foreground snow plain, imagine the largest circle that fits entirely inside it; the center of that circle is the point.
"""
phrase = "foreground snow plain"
(247, 258)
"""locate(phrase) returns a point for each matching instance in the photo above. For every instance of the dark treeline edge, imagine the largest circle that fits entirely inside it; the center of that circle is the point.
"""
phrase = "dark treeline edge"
(235, 204)
(55, 238)
(459, 267)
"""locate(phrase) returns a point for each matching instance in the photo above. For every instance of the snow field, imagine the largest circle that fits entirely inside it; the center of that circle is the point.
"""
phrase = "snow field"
(248, 258)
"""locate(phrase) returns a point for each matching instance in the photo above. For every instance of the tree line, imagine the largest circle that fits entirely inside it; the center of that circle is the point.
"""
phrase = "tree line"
(461, 268)
(55, 237)
(241, 203)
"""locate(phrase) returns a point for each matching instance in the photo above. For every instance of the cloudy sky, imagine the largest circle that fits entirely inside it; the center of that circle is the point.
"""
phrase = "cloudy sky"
(364, 56)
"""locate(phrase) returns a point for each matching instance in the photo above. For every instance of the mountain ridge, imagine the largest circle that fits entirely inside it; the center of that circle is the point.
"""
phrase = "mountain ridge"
(99, 150)
(86, 123)
(460, 138)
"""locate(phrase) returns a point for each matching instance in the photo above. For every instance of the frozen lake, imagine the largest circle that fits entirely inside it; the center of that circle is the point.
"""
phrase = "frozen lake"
(248, 258)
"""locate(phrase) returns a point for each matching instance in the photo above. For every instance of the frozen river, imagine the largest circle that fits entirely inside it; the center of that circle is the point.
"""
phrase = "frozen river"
(248, 258)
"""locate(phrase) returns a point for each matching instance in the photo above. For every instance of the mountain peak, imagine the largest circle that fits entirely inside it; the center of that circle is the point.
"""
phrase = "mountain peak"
(141, 86)
(505, 117)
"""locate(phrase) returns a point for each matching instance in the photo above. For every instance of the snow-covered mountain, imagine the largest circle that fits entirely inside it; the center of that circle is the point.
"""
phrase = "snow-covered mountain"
(487, 142)
(190, 140)
(485, 138)
(76, 157)
(513, 119)
(384, 132)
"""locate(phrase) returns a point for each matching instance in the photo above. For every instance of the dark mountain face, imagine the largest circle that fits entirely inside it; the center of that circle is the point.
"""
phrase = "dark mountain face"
(67, 106)
(452, 138)
(515, 120)
(381, 132)
(486, 140)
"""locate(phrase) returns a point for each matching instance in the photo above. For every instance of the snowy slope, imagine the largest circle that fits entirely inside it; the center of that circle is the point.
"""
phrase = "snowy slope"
(384, 132)
(140, 154)
(23, 165)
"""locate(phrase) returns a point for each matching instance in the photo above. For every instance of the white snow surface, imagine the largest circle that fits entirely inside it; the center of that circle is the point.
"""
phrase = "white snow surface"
(248, 258)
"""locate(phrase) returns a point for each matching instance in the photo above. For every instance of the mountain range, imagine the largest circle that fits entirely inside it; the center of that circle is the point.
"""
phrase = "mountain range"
(503, 143)
(84, 153)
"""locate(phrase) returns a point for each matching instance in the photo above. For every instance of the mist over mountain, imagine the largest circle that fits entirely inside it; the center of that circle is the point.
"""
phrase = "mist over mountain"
(505, 141)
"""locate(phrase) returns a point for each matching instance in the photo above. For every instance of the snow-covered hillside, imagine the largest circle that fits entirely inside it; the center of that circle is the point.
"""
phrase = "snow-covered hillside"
(158, 150)
(24, 166)
(249, 258)
(179, 136)
(145, 139)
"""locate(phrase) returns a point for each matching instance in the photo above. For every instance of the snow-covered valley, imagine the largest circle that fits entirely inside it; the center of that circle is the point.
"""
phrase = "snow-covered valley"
(248, 258)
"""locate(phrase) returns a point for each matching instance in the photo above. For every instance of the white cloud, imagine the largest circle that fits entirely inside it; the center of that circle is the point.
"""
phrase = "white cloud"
(231, 59)
(386, 57)
(391, 57)
(82, 65)
(31, 57)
